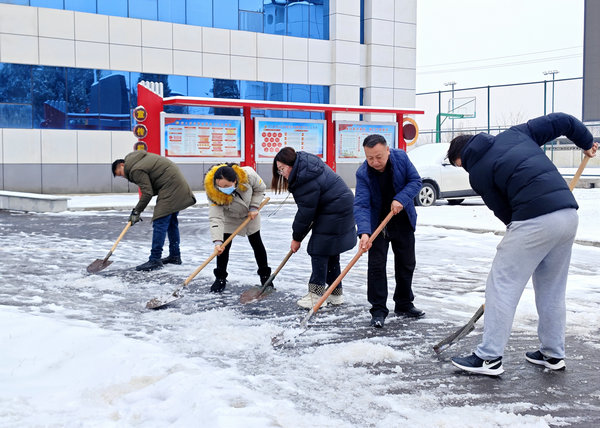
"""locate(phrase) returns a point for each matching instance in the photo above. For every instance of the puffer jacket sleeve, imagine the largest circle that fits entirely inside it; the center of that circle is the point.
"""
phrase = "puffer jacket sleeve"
(362, 202)
(216, 218)
(546, 128)
(258, 188)
(142, 179)
(412, 181)
(307, 200)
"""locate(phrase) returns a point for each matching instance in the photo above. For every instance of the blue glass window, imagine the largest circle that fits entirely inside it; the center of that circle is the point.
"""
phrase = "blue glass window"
(52, 4)
(80, 113)
(225, 14)
(143, 9)
(171, 11)
(252, 5)
(81, 5)
(275, 92)
(17, 2)
(297, 19)
(49, 97)
(199, 12)
(251, 21)
(299, 94)
(199, 87)
(112, 7)
(15, 83)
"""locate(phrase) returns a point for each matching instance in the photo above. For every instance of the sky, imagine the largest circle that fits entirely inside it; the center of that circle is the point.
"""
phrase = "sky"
(491, 42)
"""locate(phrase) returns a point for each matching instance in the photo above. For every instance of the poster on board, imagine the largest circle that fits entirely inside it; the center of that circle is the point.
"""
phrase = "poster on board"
(195, 138)
(271, 135)
(350, 137)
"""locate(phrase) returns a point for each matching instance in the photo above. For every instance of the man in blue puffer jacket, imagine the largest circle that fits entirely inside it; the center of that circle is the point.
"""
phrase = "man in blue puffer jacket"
(525, 190)
(386, 181)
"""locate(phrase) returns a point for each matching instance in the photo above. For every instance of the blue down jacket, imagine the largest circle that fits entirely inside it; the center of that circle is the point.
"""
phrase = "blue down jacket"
(324, 200)
(367, 202)
(516, 179)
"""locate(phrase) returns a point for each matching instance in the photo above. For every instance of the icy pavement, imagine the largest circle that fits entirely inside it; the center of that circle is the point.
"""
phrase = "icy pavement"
(80, 350)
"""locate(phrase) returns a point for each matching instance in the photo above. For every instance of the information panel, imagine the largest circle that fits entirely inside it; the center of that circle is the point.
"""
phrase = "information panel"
(271, 135)
(194, 138)
(350, 137)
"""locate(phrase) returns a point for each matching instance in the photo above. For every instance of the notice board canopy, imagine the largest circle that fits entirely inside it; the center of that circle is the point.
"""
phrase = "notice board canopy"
(151, 99)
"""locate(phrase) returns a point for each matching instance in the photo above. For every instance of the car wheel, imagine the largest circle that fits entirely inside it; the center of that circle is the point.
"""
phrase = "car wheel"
(455, 201)
(427, 195)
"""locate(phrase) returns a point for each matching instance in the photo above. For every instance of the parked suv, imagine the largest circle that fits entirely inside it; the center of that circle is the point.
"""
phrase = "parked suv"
(440, 179)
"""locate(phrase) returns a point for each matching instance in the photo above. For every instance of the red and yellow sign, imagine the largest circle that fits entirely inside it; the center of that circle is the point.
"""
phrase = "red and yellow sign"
(140, 114)
(140, 131)
(140, 145)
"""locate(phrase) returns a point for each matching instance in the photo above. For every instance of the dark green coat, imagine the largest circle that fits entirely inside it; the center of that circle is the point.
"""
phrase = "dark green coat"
(157, 175)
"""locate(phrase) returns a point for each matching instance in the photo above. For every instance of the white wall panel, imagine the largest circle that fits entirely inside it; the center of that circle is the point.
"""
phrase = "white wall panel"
(121, 144)
(381, 77)
(345, 27)
(243, 43)
(125, 58)
(295, 72)
(405, 11)
(157, 60)
(1, 146)
(92, 55)
(346, 74)
(187, 37)
(93, 147)
(344, 95)
(346, 52)
(379, 9)
(405, 35)
(125, 31)
(269, 46)
(349, 7)
(214, 65)
(319, 73)
(320, 50)
(270, 70)
(59, 146)
(90, 27)
(379, 32)
(59, 52)
(243, 68)
(58, 24)
(19, 49)
(405, 57)
(187, 63)
(215, 40)
(295, 48)
(22, 146)
(18, 20)
(405, 98)
(379, 55)
(405, 78)
(157, 34)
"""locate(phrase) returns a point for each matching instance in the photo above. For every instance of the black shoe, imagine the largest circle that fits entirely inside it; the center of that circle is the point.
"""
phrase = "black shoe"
(175, 260)
(410, 313)
(264, 279)
(474, 364)
(218, 286)
(150, 265)
(377, 321)
(540, 359)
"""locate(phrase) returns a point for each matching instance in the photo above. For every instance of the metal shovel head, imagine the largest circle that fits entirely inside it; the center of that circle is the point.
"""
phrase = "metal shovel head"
(256, 293)
(98, 265)
(159, 302)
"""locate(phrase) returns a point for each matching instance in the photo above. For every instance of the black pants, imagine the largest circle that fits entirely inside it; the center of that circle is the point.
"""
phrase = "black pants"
(260, 254)
(404, 266)
(325, 269)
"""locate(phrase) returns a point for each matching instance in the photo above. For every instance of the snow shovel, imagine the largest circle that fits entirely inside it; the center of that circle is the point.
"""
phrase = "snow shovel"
(460, 333)
(100, 264)
(159, 302)
(260, 292)
(279, 339)
(470, 326)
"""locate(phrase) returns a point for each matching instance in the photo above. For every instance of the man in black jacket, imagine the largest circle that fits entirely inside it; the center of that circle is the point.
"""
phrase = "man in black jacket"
(525, 190)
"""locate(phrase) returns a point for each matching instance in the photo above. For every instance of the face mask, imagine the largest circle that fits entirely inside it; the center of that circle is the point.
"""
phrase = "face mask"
(227, 190)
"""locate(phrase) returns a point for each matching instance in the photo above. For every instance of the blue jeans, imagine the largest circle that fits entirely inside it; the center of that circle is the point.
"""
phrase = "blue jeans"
(167, 225)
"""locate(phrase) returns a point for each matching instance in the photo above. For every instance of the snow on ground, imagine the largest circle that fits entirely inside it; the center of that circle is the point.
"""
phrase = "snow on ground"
(80, 350)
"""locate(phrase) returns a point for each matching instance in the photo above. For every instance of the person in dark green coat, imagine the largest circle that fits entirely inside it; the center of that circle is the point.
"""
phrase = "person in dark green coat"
(157, 175)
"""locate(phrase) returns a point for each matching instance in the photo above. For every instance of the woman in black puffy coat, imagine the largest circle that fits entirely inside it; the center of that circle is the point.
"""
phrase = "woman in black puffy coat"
(325, 207)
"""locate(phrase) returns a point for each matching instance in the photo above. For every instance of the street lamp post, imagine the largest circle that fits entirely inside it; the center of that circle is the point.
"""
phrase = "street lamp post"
(552, 72)
(452, 83)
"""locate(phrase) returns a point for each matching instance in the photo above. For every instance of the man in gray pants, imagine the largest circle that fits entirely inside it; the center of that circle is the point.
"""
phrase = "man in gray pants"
(525, 190)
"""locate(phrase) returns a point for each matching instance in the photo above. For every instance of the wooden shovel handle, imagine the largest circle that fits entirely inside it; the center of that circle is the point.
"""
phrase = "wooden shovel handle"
(224, 244)
(575, 178)
(347, 268)
(125, 229)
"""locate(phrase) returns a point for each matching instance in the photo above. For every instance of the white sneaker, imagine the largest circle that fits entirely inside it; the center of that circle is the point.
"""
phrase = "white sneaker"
(335, 300)
(310, 300)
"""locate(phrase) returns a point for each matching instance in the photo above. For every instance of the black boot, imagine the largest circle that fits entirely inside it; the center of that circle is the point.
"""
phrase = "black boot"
(176, 260)
(218, 286)
(150, 265)
(264, 274)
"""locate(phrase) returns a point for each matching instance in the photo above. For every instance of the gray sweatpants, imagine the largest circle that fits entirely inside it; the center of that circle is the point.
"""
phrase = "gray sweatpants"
(539, 247)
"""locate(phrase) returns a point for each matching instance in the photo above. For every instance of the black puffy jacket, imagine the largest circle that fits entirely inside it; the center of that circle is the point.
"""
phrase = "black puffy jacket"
(514, 176)
(325, 201)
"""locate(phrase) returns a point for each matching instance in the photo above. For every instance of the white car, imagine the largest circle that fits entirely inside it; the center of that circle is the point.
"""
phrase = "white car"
(440, 179)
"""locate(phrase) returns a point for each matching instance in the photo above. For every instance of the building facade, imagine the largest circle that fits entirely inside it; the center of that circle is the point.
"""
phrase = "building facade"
(69, 72)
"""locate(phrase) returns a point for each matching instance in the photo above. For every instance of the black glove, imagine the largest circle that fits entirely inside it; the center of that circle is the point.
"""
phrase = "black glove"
(134, 217)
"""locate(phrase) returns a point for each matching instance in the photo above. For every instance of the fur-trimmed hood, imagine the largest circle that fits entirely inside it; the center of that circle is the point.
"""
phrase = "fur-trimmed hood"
(214, 194)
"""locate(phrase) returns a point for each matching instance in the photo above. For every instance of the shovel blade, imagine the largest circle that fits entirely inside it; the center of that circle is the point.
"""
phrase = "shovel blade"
(159, 302)
(98, 265)
(446, 343)
(255, 294)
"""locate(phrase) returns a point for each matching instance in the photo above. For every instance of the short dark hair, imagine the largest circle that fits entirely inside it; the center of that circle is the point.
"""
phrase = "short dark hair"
(227, 172)
(456, 147)
(115, 164)
(286, 156)
(374, 139)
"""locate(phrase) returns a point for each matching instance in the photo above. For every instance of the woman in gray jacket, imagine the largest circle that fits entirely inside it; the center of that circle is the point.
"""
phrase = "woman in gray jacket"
(235, 193)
